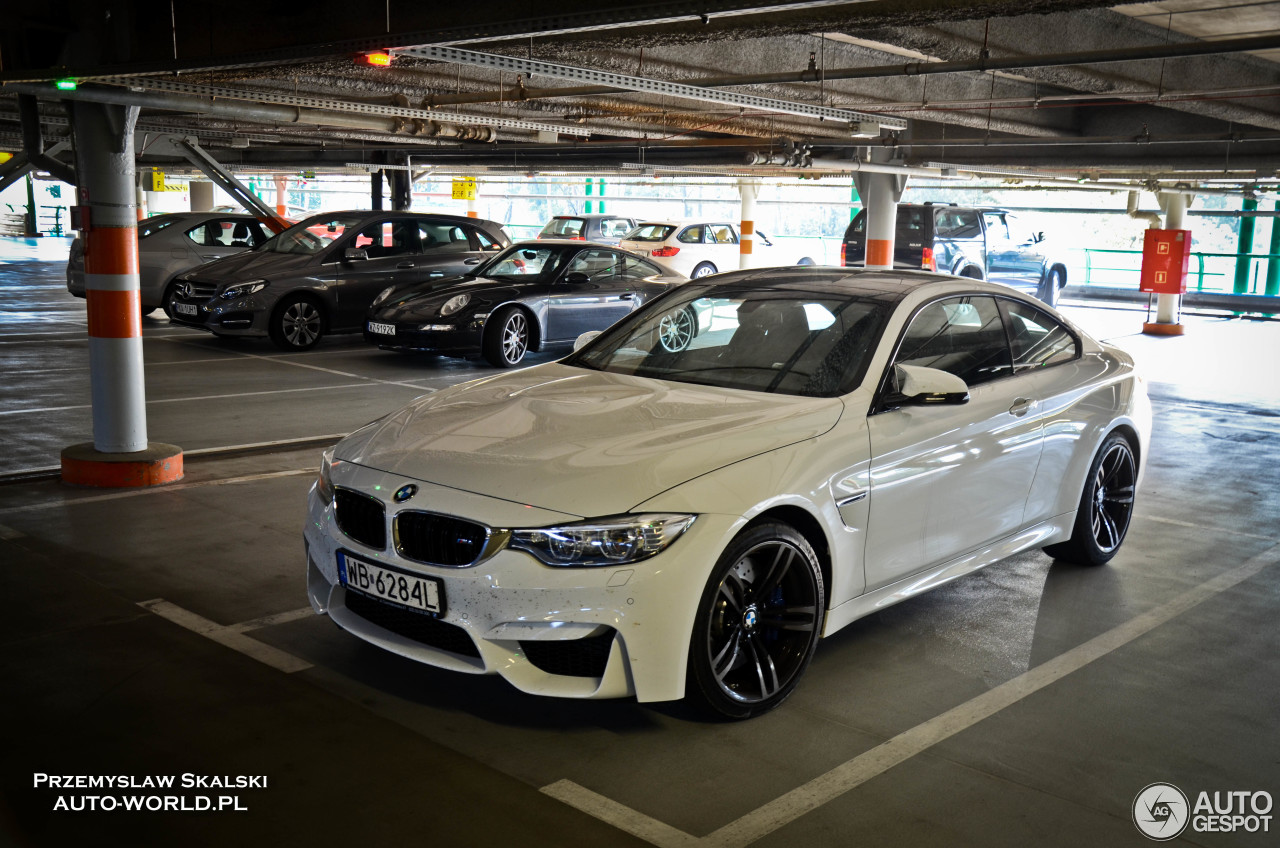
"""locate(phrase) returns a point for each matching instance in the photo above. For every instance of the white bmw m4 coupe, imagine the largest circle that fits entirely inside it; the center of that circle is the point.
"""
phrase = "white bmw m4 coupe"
(686, 504)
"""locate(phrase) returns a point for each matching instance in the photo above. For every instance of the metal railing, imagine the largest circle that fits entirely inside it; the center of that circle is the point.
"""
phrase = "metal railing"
(1211, 277)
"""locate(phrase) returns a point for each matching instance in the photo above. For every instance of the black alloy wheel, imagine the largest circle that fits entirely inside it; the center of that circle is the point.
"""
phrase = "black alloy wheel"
(297, 323)
(506, 339)
(758, 622)
(676, 330)
(1106, 506)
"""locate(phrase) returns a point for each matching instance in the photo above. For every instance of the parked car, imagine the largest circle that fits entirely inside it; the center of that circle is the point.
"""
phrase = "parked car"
(699, 248)
(597, 227)
(977, 242)
(632, 520)
(320, 275)
(175, 242)
(535, 295)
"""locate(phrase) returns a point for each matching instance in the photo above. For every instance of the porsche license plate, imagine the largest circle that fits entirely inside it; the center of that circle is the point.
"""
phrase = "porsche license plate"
(403, 588)
(382, 329)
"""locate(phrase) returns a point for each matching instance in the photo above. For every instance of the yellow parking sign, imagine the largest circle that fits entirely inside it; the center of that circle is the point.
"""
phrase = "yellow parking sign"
(464, 188)
(157, 181)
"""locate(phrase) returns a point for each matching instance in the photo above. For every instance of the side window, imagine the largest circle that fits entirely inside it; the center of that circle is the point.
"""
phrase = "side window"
(211, 234)
(723, 234)
(691, 235)
(596, 264)
(958, 223)
(258, 233)
(1038, 340)
(638, 269)
(616, 227)
(996, 228)
(962, 336)
(444, 238)
(485, 242)
(374, 239)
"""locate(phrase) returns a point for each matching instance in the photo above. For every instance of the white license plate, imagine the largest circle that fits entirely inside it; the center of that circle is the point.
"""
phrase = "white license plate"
(185, 309)
(399, 587)
(384, 329)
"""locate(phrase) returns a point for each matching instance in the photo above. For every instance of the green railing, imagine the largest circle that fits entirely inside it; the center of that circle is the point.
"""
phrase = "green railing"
(1208, 272)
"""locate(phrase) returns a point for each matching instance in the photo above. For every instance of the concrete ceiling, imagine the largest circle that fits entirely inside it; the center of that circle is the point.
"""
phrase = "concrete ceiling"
(1174, 91)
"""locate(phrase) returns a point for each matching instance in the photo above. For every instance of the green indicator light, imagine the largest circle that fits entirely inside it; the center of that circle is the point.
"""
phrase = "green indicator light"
(66, 85)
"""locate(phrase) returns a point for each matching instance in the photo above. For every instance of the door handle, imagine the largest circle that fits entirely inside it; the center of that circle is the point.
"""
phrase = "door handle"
(626, 295)
(406, 265)
(1021, 407)
(475, 260)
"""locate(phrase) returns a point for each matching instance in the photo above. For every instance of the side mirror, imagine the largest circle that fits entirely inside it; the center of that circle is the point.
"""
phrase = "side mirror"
(920, 386)
(583, 339)
(576, 278)
(354, 254)
(764, 238)
(1039, 237)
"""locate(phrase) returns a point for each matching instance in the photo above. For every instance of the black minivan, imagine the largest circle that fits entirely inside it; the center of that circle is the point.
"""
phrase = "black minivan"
(968, 241)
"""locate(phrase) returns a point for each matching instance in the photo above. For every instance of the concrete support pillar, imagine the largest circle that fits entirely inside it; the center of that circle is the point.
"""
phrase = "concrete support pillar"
(880, 194)
(587, 207)
(600, 191)
(141, 196)
(282, 194)
(749, 192)
(201, 193)
(473, 207)
(1245, 247)
(375, 191)
(401, 190)
(119, 454)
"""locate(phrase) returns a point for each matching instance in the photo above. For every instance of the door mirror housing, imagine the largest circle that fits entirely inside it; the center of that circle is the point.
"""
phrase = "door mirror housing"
(355, 254)
(576, 278)
(582, 340)
(921, 386)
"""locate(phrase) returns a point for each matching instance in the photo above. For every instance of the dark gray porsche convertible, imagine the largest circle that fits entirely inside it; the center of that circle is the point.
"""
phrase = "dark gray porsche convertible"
(535, 295)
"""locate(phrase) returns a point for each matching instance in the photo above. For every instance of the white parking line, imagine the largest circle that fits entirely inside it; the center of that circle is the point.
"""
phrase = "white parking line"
(853, 773)
(228, 637)
(159, 490)
(204, 397)
(273, 620)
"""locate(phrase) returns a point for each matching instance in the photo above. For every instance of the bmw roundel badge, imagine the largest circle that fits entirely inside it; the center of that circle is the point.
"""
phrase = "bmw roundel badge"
(405, 492)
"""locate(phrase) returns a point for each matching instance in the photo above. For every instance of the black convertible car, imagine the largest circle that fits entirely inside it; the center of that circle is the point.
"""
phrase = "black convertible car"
(535, 295)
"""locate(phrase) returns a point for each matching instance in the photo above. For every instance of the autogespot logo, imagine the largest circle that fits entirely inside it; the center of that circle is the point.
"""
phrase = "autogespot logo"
(1160, 811)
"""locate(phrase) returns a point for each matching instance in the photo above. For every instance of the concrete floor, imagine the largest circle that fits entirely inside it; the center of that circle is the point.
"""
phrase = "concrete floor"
(985, 713)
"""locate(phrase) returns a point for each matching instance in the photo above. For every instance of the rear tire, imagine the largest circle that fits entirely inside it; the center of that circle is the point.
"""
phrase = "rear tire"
(297, 323)
(506, 337)
(1051, 287)
(757, 624)
(1106, 506)
(702, 269)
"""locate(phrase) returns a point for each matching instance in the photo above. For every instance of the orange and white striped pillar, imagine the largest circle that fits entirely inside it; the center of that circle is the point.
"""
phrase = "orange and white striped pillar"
(119, 454)
(749, 191)
(880, 194)
(282, 194)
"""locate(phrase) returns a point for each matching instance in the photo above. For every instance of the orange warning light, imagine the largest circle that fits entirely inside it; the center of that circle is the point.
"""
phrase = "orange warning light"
(377, 59)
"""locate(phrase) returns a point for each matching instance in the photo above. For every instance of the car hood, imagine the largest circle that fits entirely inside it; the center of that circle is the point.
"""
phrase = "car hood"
(251, 264)
(582, 442)
(422, 300)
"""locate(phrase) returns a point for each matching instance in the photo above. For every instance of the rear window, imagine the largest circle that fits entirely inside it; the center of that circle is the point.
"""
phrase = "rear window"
(151, 226)
(563, 228)
(651, 232)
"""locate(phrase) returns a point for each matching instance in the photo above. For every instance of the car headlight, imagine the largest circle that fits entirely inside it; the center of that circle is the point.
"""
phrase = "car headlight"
(383, 295)
(243, 289)
(455, 303)
(324, 480)
(605, 541)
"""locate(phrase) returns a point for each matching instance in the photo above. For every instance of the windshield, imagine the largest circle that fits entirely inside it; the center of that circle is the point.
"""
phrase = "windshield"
(650, 232)
(311, 235)
(525, 261)
(746, 336)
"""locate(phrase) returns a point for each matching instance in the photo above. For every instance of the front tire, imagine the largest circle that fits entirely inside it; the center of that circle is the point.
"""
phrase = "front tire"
(297, 323)
(758, 623)
(702, 269)
(506, 338)
(1051, 288)
(1106, 506)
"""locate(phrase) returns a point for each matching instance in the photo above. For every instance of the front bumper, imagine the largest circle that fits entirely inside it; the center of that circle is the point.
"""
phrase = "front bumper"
(567, 632)
(462, 340)
(246, 316)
